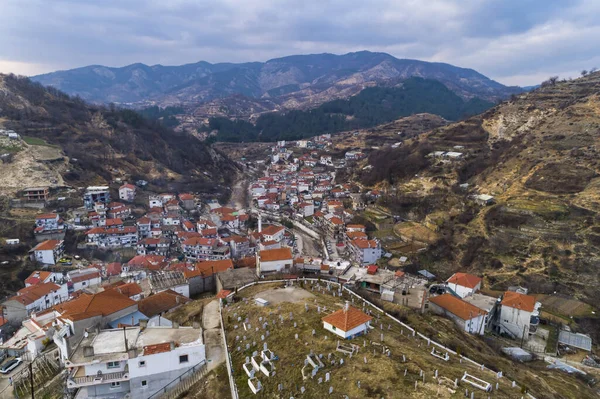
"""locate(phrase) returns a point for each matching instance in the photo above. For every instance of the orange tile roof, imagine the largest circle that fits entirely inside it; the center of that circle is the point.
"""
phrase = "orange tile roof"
(151, 262)
(355, 226)
(127, 185)
(161, 302)
(223, 294)
(271, 230)
(200, 241)
(186, 197)
(346, 320)
(87, 305)
(464, 280)
(30, 294)
(457, 306)
(157, 348)
(364, 244)
(47, 245)
(249, 261)
(37, 277)
(129, 289)
(353, 235)
(518, 301)
(47, 216)
(270, 255)
(214, 266)
(85, 277)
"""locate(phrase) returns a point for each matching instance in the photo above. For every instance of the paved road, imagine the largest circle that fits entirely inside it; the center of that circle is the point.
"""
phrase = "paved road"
(213, 340)
(5, 388)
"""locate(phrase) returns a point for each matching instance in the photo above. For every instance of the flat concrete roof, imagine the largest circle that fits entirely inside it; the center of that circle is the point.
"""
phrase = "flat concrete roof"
(481, 301)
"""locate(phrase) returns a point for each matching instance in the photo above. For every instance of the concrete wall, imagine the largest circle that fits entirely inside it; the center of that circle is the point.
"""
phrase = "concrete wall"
(473, 326)
(516, 321)
(275, 266)
(161, 369)
(347, 334)
(201, 284)
(105, 390)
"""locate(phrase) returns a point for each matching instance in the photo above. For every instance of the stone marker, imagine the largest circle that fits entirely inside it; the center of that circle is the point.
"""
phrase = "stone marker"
(320, 380)
(330, 390)
(327, 376)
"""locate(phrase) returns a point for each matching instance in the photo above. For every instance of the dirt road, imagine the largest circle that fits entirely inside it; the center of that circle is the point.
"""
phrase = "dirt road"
(213, 340)
(239, 193)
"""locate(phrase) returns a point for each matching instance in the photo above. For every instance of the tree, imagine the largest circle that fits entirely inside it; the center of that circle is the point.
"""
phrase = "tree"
(584, 72)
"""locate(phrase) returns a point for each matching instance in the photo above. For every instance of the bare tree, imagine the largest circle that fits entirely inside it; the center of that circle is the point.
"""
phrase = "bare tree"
(584, 72)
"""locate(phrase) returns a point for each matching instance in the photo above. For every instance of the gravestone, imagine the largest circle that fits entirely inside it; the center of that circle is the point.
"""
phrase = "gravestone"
(327, 377)
(330, 390)
(265, 346)
(302, 389)
(320, 380)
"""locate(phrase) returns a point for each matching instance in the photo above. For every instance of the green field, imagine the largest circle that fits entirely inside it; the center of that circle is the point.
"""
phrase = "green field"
(36, 141)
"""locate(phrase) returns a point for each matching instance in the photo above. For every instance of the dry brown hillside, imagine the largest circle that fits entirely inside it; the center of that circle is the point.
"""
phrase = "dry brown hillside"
(537, 154)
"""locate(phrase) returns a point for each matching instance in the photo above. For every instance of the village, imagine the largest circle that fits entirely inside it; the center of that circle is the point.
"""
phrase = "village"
(115, 263)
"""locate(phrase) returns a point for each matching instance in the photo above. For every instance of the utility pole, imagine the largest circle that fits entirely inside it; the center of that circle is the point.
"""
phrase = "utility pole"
(31, 379)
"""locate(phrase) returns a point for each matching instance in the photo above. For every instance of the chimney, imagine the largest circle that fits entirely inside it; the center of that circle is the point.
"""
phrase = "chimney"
(143, 323)
(125, 338)
(347, 306)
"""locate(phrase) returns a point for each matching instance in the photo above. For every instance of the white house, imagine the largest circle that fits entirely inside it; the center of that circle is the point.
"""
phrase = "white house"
(467, 316)
(42, 276)
(348, 322)
(48, 252)
(48, 221)
(519, 315)
(34, 298)
(272, 233)
(364, 251)
(133, 362)
(464, 284)
(127, 192)
(84, 278)
(306, 209)
(274, 260)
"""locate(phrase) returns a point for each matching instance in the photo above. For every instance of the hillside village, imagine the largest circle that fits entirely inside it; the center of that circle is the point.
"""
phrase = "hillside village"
(116, 266)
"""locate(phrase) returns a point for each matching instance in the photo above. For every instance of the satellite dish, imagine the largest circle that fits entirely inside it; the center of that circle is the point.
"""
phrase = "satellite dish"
(85, 334)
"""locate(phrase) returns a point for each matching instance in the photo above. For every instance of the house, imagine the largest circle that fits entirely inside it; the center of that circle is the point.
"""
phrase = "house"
(519, 315)
(348, 322)
(127, 192)
(28, 341)
(117, 210)
(161, 303)
(365, 251)
(42, 276)
(75, 317)
(187, 201)
(48, 222)
(306, 209)
(132, 291)
(173, 280)
(48, 252)
(465, 315)
(133, 362)
(94, 194)
(274, 261)
(202, 277)
(113, 237)
(464, 284)
(142, 264)
(144, 227)
(84, 278)
(36, 194)
(154, 246)
(201, 248)
(484, 199)
(488, 304)
(34, 298)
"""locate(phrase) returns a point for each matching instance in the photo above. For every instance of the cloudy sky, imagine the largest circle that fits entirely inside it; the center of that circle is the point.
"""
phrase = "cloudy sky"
(512, 41)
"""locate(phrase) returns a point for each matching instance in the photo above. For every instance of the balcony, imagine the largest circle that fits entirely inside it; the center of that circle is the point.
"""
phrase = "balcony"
(78, 379)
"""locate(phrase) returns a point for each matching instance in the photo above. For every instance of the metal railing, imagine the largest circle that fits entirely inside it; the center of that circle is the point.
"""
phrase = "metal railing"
(198, 368)
(74, 382)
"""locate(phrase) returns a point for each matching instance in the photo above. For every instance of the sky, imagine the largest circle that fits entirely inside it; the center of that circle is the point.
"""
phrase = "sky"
(516, 42)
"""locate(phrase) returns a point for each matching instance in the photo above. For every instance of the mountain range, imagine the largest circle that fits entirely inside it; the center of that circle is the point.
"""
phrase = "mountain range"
(293, 82)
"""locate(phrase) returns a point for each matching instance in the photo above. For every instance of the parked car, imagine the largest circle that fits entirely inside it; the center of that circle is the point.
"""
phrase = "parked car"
(10, 365)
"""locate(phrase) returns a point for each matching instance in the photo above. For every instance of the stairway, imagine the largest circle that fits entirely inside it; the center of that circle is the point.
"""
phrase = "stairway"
(182, 384)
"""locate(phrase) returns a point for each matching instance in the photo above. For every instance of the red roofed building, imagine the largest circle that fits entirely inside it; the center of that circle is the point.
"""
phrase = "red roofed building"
(464, 284)
(48, 252)
(42, 276)
(348, 322)
(113, 237)
(365, 251)
(274, 261)
(519, 315)
(467, 316)
(127, 192)
(34, 298)
(146, 262)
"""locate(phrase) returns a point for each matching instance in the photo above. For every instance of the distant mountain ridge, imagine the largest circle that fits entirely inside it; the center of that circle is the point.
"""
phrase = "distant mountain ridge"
(297, 81)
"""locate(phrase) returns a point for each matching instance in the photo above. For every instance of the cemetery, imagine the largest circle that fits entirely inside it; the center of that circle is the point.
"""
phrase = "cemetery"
(282, 350)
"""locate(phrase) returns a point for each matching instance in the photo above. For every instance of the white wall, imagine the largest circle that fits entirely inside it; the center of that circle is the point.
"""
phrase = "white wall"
(346, 334)
(463, 291)
(516, 321)
(275, 266)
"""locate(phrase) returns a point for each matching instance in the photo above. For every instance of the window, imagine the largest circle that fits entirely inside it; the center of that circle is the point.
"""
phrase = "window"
(115, 385)
(183, 359)
(142, 363)
(333, 327)
(112, 365)
(144, 384)
(83, 283)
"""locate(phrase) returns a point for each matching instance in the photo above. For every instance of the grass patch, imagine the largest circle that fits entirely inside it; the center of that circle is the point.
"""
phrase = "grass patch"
(36, 141)
(552, 342)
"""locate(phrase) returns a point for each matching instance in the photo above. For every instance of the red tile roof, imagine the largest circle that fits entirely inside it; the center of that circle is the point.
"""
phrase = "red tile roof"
(46, 216)
(364, 244)
(371, 269)
(87, 305)
(47, 245)
(186, 197)
(271, 230)
(161, 302)
(209, 267)
(157, 348)
(464, 280)
(223, 294)
(127, 185)
(200, 241)
(518, 301)
(85, 277)
(37, 276)
(271, 255)
(30, 294)
(457, 306)
(346, 320)
(129, 289)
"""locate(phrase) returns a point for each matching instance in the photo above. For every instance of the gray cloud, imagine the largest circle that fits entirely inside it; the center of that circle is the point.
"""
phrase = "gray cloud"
(512, 41)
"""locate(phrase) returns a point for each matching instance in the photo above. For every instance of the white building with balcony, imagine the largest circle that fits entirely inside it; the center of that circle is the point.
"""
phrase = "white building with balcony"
(134, 363)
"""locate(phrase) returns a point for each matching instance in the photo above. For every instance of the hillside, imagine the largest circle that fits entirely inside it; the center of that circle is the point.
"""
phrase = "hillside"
(93, 144)
(299, 81)
(537, 155)
(372, 106)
